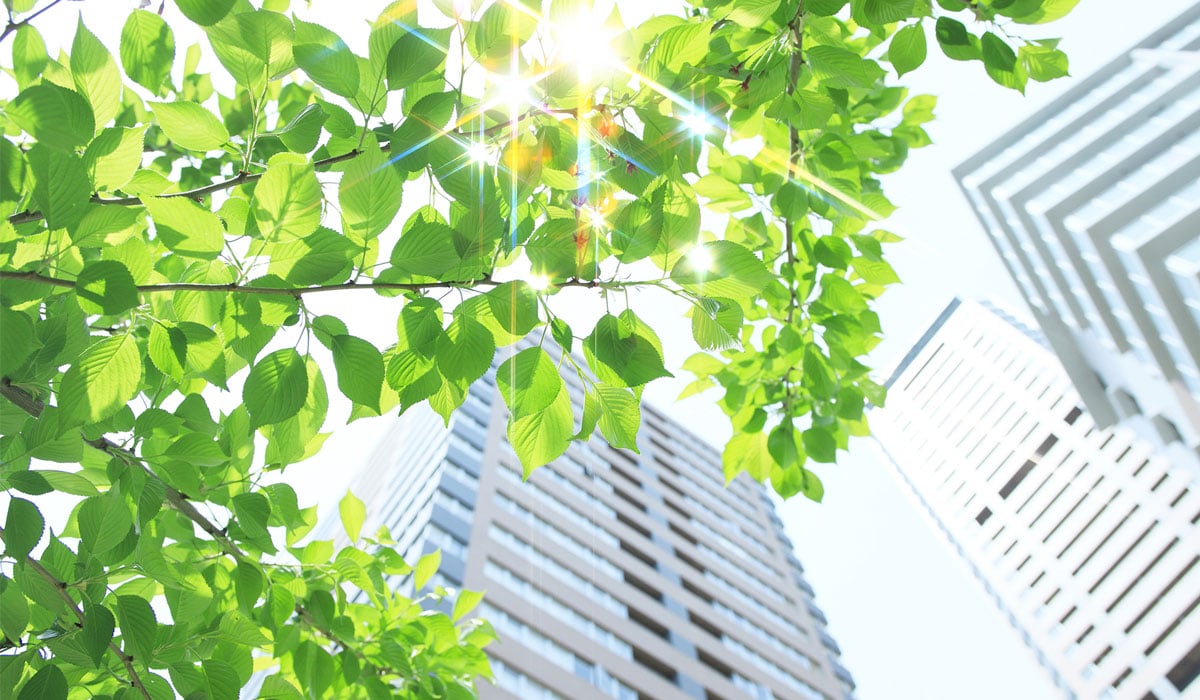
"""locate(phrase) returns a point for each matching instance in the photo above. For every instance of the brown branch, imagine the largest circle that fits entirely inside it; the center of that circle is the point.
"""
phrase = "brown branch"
(796, 30)
(14, 26)
(176, 500)
(243, 177)
(297, 292)
(61, 589)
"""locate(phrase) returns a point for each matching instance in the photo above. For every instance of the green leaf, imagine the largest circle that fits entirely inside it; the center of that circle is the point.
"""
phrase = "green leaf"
(723, 195)
(221, 680)
(619, 354)
(104, 521)
(276, 388)
(253, 511)
(253, 46)
(190, 126)
(465, 350)
(1001, 63)
(147, 50)
(369, 195)
(886, 11)
(529, 382)
(16, 341)
(105, 287)
(1048, 11)
(186, 227)
(419, 325)
(49, 683)
(721, 269)
(287, 200)
(426, 246)
(97, 632)
(205, 12)
(29, 55)
(102, 381)
(465, 603)
(61, 188)
(1043, 63)
(14, 612)
(514, 306)
(783, 447)
(22, 528)
(907, 50)
(746, 452)
(752, 13)
(96, 74)
(359, 369)
(321, 257)
(167, 349)
(415, 55)
(842, 68)
(353, 513)
(498, 32)
(956, 42)
(301, 134)
(620, 416)
(326, 59)
(426, 567)
(55, 116)
(716, 323)
(139, 628)
(114, 156)
(820, 444)
(541, 437)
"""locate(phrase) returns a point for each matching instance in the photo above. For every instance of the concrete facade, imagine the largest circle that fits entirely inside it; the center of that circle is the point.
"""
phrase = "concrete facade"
(608, 574)
(1094, 206)
(1087, 538)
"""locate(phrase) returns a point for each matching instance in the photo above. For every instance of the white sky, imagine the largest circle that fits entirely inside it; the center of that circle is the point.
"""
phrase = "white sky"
(912, 623)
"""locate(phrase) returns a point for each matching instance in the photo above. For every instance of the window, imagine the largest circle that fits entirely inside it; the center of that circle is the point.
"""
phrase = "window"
(1187, 670)
(983, 516)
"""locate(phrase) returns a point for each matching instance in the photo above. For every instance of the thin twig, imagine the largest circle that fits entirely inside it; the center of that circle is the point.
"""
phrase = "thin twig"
(244, 177)
(297, 292)
(14, 26)
(61, 589)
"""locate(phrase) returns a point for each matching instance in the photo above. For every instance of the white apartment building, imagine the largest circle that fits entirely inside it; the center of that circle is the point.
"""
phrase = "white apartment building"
(1087, 538)
(1094, 205)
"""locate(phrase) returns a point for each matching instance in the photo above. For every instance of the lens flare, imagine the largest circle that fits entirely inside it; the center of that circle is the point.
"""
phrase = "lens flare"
(538, 283)
(700, 258)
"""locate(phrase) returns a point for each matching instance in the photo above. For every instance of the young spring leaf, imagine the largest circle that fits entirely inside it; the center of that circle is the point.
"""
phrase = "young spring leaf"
(102, 381)
(190, 126)
(276, 387)
(147, 49)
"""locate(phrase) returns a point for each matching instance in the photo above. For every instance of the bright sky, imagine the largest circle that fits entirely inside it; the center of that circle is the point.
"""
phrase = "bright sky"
(911, 622)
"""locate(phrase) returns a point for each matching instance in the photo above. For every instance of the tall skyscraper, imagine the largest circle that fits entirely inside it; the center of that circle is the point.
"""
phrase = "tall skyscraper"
(1087, 538)
(1094, 205)
(608, 574)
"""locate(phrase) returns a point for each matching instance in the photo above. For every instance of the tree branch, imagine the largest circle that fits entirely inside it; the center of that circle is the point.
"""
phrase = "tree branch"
(14, 26)
(176, 500)
(297, 292)
(61, 589)
(796, 30)
(244, 177)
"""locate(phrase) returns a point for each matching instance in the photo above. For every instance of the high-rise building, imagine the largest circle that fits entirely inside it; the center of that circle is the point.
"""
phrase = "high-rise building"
(1086, 537)
(1094, 205)
(608, 574)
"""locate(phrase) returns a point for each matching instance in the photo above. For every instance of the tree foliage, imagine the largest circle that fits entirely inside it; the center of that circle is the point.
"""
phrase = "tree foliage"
(164, 229)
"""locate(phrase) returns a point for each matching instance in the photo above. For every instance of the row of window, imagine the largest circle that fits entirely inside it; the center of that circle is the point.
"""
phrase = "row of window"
(552, 567)
(510, 628)
(769, 666)
(572, 544)
(544, 602)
